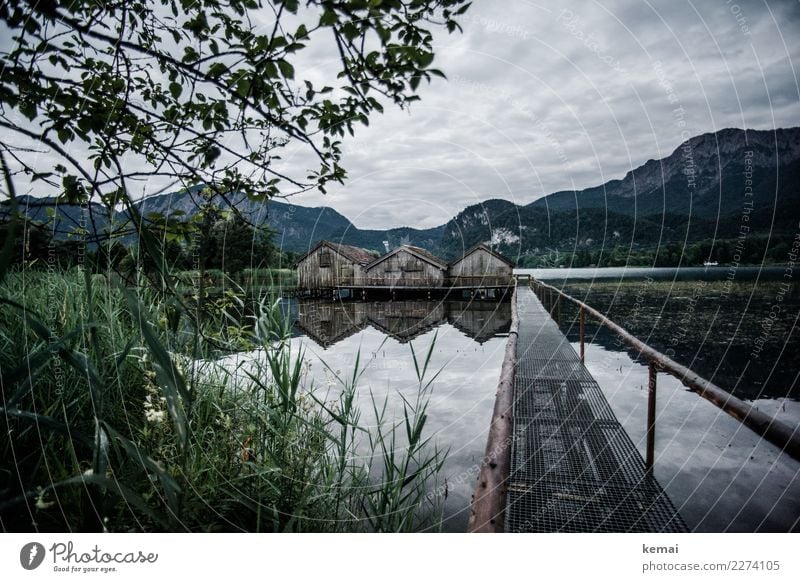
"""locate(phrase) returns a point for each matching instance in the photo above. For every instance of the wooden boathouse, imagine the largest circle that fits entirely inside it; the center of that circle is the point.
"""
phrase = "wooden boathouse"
(407, 266)
(480, 266)
(329, 265)
(341, 270)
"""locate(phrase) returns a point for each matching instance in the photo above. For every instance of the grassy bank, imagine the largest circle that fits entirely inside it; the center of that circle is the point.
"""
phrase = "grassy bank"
(121, 419)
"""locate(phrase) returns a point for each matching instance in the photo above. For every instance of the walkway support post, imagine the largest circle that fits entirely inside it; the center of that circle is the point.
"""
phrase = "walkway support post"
(651, 417)
(583, 333)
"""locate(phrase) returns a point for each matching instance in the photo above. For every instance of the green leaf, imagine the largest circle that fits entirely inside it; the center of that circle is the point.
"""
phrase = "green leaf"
(425, 59)
(48, 423)
(243, 87)
(135, 453)
(175, 89)
(217, 70)
(64, 134)
(328, 18)
(286, 68)
(28, 109)
(270, 70)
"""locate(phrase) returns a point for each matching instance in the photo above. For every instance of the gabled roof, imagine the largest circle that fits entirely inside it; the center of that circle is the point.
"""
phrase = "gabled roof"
(351, 253)
(416, 251)
(326, 342)
(482, 246)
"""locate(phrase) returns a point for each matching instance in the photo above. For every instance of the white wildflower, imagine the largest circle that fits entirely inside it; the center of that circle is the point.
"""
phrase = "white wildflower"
(152, 412)
(154, 416)
(42, 504)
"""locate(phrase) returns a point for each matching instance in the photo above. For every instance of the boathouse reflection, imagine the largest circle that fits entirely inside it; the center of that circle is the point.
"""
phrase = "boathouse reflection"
(329, 322)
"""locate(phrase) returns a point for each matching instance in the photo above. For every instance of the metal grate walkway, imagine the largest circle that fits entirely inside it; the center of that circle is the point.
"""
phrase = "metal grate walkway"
(573, 466)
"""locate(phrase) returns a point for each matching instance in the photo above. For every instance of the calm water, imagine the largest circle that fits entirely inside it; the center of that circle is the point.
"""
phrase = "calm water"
(719, 474)
(468, 352)
(717, 273)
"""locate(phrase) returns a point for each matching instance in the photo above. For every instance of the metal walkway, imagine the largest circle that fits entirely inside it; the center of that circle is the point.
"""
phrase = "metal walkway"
(573, 466)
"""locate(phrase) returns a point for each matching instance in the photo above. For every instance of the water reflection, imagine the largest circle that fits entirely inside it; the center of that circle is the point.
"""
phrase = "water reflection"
(327, 323)
(719, 474)
(470, 340)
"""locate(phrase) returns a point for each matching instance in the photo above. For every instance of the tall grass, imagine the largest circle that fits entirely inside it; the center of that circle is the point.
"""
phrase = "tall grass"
(249, 281)
(121, 418)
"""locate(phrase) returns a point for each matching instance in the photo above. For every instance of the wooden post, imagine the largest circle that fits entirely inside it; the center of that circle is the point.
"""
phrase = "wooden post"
(583, 333)
(651, 417)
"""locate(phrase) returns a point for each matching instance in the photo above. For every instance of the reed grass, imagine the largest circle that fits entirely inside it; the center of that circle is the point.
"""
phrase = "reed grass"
(121, 416)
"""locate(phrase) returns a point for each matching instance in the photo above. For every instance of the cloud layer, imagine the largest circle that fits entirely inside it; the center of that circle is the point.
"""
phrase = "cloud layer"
(541, 99)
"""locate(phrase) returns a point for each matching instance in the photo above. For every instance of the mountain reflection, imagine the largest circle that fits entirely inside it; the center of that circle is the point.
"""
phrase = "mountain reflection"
(327, 322)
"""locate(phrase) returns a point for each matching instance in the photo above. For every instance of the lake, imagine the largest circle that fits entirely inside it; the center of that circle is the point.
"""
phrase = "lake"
(720, 475)
(710, 273)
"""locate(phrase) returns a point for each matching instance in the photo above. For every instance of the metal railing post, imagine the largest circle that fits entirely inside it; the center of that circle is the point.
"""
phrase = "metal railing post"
(651, 417)
(558, 302)
(583, 333)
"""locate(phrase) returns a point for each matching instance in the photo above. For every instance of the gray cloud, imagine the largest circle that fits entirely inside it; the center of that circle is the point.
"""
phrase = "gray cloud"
(542, 99)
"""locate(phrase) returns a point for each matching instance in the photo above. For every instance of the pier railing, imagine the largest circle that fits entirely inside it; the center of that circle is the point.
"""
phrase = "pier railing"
(776, 432)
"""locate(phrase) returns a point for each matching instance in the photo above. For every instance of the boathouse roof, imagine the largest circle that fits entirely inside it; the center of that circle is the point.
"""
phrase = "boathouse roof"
(416, 251)
(488, 249)
(355, 254)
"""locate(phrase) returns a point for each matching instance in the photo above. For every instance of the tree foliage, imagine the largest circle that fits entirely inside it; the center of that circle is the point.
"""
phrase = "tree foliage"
(186, 92)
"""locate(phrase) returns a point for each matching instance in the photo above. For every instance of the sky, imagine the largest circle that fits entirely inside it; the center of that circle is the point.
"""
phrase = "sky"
(542, 98)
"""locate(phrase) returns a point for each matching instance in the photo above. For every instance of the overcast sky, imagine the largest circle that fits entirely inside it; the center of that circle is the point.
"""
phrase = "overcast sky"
(541, 99)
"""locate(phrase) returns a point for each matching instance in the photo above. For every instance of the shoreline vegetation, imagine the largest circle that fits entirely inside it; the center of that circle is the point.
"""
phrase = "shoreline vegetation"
(114, 427)
(752, 251)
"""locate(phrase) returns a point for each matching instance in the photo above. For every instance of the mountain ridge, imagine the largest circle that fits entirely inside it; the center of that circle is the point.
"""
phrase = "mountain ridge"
(695, 192)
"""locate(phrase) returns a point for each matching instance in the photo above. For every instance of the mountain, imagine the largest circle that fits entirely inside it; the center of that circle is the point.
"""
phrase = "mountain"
(63, 220)
(295, 226)
(696, 193)
(298, 228)
(703, 177)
